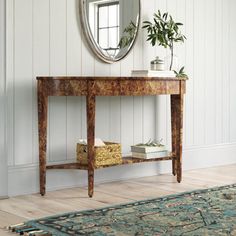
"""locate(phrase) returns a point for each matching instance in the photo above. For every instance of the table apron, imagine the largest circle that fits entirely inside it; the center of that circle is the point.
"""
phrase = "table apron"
(111, 88)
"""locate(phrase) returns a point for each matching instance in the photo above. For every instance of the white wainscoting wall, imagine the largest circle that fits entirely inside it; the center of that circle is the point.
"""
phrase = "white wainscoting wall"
(44, 38)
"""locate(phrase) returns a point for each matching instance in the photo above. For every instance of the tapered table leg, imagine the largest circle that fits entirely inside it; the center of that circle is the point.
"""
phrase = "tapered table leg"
(91, 103)
(42, 130)
(173, 132)
(177, 133)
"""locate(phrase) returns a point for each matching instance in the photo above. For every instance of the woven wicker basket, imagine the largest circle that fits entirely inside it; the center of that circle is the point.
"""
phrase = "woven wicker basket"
(104, 156)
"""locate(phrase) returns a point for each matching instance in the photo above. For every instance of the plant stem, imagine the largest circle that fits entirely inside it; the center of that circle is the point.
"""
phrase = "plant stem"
(172, 55)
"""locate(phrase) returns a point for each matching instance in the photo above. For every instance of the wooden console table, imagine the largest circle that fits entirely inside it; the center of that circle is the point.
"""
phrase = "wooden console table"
(108, 86)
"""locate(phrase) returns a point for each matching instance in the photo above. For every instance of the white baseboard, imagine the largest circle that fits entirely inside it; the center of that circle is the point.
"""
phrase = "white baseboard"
(4, 197)
(24, 179)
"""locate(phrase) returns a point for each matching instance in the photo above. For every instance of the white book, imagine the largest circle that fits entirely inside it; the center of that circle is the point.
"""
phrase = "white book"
(153, 73)
(148, 149)
(151, 155)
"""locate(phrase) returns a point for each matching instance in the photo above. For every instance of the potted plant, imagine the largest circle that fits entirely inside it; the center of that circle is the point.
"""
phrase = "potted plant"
(164, 31)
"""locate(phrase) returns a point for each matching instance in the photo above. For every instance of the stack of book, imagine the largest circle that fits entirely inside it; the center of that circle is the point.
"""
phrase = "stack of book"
(149, 152)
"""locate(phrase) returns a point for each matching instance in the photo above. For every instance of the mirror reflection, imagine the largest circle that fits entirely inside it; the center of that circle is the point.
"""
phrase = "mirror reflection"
(113, 26)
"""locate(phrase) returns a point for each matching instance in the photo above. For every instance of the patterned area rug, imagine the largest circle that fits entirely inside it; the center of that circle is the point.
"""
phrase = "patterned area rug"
(202, 212)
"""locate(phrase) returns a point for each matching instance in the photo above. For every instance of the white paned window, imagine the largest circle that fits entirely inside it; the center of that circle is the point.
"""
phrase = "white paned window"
(108, 25)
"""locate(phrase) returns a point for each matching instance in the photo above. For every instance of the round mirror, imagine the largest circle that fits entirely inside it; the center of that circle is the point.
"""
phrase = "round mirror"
(110, 26)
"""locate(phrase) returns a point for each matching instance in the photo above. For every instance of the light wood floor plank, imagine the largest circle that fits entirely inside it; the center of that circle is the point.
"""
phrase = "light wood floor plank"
(132, 190)
(4, 232)
(8, 218)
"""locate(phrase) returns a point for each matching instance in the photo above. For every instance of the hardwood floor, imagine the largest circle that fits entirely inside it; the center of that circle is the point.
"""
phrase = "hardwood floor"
(18, 209)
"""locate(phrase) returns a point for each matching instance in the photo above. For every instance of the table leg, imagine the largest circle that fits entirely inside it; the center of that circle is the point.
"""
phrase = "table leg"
(42, 130)
(177, 133)
(173, 132)
(91, 103)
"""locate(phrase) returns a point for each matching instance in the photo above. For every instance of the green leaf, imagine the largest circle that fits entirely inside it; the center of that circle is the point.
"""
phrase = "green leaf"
(181, 73)
(147, 22)
(165, 15)
(156, 22)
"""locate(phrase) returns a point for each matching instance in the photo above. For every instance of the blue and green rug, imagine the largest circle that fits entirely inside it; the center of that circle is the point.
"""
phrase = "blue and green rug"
(202, 212)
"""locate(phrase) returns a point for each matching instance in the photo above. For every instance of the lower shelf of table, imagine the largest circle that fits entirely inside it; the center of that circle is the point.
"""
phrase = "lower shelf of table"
(125, 161)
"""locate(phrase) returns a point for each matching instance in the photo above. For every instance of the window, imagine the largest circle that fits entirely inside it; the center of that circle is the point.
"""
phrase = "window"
(108, 25)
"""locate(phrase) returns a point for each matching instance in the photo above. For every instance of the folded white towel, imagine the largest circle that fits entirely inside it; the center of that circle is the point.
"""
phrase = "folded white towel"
(98, 142)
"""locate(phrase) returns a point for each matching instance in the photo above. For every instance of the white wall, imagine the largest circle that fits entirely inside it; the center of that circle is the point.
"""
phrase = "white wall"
(44, 38)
